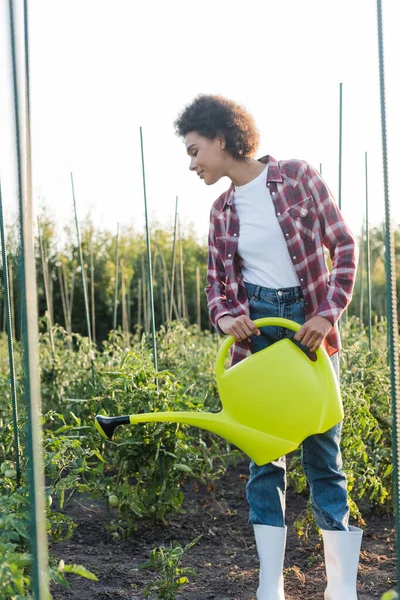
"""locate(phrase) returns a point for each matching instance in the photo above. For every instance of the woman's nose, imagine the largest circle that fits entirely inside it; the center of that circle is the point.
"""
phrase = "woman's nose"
(192, 165)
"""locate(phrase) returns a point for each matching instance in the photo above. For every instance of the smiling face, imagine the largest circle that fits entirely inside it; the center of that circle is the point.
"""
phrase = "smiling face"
(207, 157)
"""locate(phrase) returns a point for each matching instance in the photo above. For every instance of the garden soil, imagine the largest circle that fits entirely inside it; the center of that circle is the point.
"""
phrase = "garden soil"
(225, 558)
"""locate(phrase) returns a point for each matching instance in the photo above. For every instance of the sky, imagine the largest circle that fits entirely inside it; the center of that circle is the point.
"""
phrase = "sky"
(101, 70)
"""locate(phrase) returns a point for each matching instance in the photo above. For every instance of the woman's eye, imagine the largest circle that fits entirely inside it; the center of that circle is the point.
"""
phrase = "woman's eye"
(195, 153)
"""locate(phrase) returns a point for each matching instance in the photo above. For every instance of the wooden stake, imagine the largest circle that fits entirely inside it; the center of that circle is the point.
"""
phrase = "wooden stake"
(92, 291)
(198, 297)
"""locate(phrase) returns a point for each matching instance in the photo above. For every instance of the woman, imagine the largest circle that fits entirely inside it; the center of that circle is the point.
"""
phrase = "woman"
(266, 259)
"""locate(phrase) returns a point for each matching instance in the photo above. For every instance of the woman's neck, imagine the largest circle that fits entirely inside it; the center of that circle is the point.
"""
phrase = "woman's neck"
(242, 172)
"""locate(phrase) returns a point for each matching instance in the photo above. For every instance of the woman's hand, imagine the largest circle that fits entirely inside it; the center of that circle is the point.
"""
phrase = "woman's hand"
(240, 327)
(313, 332)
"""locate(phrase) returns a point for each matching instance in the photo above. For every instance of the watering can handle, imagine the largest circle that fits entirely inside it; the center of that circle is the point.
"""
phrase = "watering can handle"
(265, 321)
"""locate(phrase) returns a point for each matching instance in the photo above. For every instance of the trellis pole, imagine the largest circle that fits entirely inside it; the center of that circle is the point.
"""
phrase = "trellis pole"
(14, 402)
(344, 315)
(92, 298)
(361, 270)
(116, 279)
(46, 290)
(198, 302)
(391, 291)
(173, 261)
(150, 276)
(85, 294)
(368, 255)
(34, 447)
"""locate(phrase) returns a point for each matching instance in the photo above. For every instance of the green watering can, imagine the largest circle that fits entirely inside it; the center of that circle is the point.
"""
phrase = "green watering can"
(272, 400)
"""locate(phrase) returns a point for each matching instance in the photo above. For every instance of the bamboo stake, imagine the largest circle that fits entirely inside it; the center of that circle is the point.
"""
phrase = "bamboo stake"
(129, 297)
(184, 308)
(367, 253)
(150, 278)
(139, 317)
(71, 296)
(92, 291)
(125, 327)
(173, 261)
(344, 315)
(165, 289)
(154, 281)
(46, 291)
(51, 294)
(85, 294)
(64, 305)
(361, 267)
(178, 290)
(340, 144)
(174, 307)
(11, 360)
(68, 296)
(116, 280)
(198, 296)
(144, 293)
(161, 287)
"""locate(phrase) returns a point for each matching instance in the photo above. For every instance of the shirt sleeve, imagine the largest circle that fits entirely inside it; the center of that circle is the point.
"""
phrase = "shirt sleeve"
(339, 240)
(215, 290)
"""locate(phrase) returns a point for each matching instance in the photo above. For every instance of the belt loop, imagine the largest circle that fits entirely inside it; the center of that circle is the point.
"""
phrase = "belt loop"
(257, 292)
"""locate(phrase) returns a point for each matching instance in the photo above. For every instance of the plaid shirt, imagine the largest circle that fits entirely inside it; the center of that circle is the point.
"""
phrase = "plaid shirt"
(310, 219)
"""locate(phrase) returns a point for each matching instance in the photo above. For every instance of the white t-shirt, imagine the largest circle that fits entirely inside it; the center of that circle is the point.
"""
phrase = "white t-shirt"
(263, 249)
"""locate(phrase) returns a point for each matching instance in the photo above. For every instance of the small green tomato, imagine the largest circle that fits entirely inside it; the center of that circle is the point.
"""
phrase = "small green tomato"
(10, 474)
(113, 501)
(5, 466)
(49, 501)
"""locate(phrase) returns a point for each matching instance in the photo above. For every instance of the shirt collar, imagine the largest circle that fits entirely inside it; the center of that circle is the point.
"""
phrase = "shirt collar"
(273, 174)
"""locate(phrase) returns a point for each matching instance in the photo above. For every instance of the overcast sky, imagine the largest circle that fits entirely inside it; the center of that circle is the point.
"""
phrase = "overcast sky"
(99, 70)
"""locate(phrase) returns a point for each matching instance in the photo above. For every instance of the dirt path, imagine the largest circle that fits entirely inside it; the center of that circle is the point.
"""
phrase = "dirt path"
(225, 558)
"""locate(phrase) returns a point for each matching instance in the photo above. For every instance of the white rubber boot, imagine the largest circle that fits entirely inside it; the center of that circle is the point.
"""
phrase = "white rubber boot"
(271, 542)
(342, 553)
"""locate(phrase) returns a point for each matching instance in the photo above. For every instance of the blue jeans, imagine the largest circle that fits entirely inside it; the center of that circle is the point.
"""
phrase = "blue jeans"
(320, 454)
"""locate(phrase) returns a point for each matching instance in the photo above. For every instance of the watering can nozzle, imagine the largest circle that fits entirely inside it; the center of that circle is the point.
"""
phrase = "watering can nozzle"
(106, 425)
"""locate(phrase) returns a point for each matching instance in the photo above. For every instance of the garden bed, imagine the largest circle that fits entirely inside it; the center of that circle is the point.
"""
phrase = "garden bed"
(225, 558)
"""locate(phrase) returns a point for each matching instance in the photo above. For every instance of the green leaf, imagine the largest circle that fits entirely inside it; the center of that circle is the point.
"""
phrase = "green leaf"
(80, 570)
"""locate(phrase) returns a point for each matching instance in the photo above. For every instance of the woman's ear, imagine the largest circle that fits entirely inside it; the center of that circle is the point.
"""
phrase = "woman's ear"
(222, 141)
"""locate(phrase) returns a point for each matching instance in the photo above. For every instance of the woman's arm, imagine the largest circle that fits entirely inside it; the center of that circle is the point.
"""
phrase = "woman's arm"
(339, 240)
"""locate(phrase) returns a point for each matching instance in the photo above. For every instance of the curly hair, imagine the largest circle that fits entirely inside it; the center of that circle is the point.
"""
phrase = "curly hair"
(210, 116)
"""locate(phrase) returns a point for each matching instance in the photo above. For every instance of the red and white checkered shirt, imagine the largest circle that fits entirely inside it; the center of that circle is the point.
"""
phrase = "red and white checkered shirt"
(310, 219)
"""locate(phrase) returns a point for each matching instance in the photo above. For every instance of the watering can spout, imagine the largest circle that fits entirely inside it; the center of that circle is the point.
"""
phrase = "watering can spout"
(257, 444)
(107, 425)
(272, 400)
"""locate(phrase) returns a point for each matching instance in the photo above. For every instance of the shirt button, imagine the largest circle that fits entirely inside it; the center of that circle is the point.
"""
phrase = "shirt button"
(235, 234)
(230, 300)
(294, 257)
(287, 235)
(229, 255)
(278, 214)
(273, 194)
(268, 184)
(303, 212)
(301, 279)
